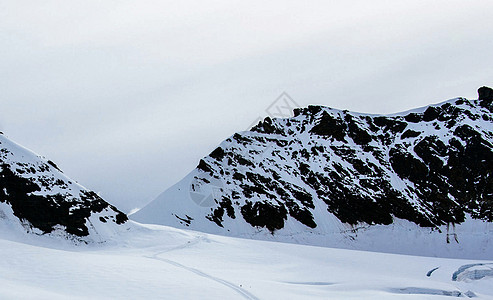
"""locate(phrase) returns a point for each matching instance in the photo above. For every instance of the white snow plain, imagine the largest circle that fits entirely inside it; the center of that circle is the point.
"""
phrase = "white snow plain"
(159, 262)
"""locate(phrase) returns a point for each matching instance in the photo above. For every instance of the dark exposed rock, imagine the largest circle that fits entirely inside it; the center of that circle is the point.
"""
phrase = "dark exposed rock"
(331, 127)
(431, 114)
(359, 136)
(485, 93)
(414, 118)
(410, 134)
(238, 176)
(217, 214)
(204, 166)
(186, 220)
(407, 166)
(218, 153)
(266, 127)
(53, 165)
(261, 214)
(390, 124)
(302, 215)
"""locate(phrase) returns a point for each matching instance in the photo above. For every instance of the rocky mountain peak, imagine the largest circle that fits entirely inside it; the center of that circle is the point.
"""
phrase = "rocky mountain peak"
(35, 195)
(327, 170)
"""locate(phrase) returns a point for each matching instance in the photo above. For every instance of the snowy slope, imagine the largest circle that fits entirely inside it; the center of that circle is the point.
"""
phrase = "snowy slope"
(36, 197)
(164, 263)
(418, 182)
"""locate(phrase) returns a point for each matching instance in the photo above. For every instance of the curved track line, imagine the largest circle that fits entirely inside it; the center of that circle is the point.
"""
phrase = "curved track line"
(244, 293)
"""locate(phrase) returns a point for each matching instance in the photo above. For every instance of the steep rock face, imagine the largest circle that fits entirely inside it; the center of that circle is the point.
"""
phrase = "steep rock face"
(485, 94)
(36, 194)
(330, 170)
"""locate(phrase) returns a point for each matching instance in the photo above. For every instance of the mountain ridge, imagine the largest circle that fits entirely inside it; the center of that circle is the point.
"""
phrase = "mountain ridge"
(333, 170)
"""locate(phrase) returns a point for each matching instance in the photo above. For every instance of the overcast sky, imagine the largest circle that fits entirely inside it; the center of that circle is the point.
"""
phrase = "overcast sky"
(127, 96)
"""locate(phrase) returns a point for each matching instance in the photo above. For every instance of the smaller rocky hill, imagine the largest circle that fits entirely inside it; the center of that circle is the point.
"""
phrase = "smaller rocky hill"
(37, 196)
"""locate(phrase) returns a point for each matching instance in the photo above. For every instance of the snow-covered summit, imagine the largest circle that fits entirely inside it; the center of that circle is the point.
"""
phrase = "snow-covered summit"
(409, 181)
(35, 196)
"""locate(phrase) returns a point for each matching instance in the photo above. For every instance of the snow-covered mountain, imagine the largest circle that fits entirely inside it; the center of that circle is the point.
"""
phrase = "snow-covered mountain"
(407, 183)
(36, 197)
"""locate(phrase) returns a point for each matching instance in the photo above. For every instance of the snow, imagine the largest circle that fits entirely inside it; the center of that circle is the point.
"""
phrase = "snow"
(158, 262)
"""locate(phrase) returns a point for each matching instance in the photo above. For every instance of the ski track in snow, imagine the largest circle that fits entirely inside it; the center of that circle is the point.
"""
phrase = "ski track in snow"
(242, 292)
